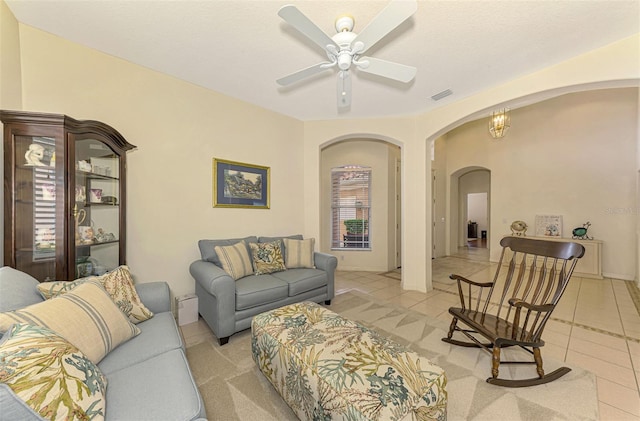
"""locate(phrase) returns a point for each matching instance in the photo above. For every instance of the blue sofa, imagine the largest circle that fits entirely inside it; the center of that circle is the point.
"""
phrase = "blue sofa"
(228, 306)
(148, 377)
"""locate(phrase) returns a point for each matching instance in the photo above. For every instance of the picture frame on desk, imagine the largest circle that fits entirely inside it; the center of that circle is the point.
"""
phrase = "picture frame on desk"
(240, 185)
(548, 226)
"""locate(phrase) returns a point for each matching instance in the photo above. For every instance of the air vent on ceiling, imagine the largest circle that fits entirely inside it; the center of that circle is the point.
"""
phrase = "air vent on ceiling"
(443, 94)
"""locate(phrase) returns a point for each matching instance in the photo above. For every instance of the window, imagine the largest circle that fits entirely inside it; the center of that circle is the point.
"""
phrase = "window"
(350, 207)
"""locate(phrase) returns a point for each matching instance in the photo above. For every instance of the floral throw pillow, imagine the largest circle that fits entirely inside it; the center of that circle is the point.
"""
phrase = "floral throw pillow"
(267, 257)
(51, 375)
(118, 283)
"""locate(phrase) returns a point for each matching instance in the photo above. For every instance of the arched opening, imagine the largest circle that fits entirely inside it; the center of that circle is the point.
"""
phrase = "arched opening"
(383, 251)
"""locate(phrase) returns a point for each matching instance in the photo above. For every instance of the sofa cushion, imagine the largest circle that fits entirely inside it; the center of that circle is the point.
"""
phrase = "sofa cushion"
(257, 290)
(17, 290)
(160, 388)
(157, 335)
(51, 375)
(267, 257)
(284, 248)
(117, 283)
(208, 247)
(299, 253)
(235, 260)
(86, 317)
(302, 280)
(14, 408)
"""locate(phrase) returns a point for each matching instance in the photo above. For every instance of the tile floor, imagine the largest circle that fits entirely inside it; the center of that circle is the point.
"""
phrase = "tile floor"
(595, 326)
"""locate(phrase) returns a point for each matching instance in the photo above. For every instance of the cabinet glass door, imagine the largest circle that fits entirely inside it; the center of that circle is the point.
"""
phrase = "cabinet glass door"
(96, 212)
(37, 228)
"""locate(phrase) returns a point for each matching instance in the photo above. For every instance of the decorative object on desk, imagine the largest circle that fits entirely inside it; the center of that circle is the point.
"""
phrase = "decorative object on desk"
(548, 225)
(35, 155)
(81, 196)
(96, 195)
(238, 185)
(580, 233)
(519, 228)
(499, 123)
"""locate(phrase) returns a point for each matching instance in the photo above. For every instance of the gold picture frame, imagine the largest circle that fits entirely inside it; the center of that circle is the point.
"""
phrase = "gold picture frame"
(240, 185)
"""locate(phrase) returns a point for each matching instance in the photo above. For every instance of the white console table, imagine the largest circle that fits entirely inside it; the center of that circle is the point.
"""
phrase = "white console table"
(590, 265)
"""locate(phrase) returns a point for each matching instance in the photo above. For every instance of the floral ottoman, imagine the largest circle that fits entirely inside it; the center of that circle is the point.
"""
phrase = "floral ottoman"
(328, 367)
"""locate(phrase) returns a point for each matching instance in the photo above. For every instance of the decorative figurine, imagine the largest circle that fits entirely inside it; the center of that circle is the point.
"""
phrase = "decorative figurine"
(580, 233)
(519, 228)
(34, 155)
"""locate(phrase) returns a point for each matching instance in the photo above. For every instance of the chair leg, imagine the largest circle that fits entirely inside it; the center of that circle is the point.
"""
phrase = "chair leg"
(495, 362)
(537, 356)
(223, 341)
(452, 327)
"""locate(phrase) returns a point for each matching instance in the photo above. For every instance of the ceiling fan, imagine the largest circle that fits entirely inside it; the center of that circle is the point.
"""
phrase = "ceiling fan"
(346, 48)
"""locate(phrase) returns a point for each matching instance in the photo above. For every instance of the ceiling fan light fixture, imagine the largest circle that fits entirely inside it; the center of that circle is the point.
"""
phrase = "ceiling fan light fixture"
(346, 47)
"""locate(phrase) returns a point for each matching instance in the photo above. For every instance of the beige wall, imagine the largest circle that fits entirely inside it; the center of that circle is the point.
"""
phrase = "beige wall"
(572, 156)
(10, 80)
(369, 153)
(178, 128)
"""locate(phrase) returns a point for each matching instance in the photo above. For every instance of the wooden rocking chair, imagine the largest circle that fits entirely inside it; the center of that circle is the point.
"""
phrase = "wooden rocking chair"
(537, 274)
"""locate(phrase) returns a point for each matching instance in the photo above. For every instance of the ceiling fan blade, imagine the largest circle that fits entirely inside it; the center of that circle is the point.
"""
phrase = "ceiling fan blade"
(388, 69)
(344, 89)
(295, 18)
(386, 21)
(304, 73)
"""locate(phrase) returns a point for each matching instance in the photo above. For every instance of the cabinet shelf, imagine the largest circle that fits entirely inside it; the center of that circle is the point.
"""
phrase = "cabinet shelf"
(95, 176)
(101, 243)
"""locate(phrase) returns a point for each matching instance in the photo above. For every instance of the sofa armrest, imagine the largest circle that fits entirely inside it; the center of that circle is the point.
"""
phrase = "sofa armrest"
(156, 296)
(327, 263)
(216, 292)
(14, 408)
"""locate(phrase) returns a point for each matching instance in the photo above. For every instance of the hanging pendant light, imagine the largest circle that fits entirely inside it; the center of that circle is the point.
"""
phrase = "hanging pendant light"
(499, 123)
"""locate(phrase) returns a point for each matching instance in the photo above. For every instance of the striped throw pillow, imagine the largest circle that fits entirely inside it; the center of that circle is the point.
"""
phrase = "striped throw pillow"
(299, 253)
(86, 317)
(235, 260)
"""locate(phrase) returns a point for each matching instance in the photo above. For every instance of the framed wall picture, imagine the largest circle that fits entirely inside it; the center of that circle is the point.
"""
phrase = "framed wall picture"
(548, 225)
(238, 185)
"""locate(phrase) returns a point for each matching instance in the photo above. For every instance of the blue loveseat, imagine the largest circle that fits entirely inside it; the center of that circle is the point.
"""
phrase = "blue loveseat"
(228, 305)
(148, 377)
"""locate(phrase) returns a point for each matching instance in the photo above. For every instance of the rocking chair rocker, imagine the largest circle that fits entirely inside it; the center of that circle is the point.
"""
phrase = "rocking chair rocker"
(537, 274)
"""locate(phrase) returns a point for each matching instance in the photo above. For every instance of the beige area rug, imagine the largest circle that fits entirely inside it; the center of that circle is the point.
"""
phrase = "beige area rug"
(234, 389)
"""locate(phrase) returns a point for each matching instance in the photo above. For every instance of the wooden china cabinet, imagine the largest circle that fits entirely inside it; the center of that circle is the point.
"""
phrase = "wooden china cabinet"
(64, 195)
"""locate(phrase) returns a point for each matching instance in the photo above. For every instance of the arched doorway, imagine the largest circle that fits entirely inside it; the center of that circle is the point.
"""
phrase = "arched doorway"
(470, 210)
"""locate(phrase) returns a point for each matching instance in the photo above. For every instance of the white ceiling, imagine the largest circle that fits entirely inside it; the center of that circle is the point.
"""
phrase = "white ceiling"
(241, 47)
